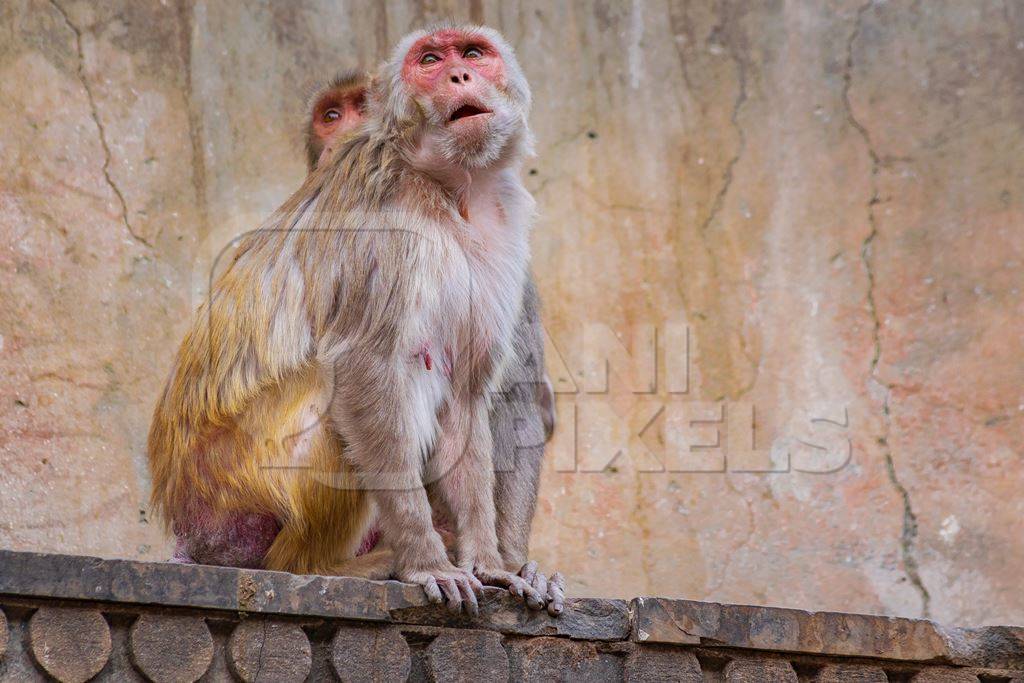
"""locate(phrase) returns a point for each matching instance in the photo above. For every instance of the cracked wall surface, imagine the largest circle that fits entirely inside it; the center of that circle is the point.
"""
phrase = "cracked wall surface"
(826, 197)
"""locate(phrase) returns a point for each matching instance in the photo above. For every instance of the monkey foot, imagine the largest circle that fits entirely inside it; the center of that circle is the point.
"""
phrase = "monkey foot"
(516, 585)
(552, 589)
(455, 587)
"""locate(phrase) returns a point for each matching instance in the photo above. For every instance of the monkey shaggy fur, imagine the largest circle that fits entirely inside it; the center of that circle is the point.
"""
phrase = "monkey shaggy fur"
(522, 413)
(324, 312)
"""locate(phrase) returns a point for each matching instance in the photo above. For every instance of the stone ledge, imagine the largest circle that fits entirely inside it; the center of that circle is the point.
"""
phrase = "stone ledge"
(71, 577)
(686, 622)
(76, 618)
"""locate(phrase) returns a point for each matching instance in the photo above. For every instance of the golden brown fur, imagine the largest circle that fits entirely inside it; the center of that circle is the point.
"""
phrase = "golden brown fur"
(311, 331)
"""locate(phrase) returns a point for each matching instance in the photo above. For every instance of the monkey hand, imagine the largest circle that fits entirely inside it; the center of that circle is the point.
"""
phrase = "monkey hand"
(456, 587)
(492, 575)
(552, 589)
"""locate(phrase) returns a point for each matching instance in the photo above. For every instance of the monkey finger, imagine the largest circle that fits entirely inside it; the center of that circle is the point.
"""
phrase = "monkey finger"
(538, 601)
(540, 583)
(522, 590)
(535, 602)
(556, 594)
(451, 593)
(469, 598)
(433, 592)
(513, 582)
(528, 571)
(534, 599)
(475, 583)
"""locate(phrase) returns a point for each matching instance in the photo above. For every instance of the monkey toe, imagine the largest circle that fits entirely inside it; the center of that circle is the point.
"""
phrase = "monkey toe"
(529, 571)
(540, 584)
(552, 589)
(457, 589)
(515, 584)
(556, 594)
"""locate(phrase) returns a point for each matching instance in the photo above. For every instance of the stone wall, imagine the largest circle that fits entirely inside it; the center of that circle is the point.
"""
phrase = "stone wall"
(78, 617)
(810, 211)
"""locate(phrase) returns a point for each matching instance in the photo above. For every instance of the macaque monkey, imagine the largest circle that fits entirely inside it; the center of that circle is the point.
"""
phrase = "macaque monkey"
(337, 379)
(336, 109)
(522, 412)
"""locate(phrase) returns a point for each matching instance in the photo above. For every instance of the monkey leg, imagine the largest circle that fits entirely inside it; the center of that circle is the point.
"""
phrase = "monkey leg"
(328, 515)
(517, 433)
(522, 420)
(271, 488)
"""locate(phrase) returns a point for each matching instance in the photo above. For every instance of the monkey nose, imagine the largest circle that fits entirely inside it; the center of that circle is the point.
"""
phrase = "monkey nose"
(459, 76)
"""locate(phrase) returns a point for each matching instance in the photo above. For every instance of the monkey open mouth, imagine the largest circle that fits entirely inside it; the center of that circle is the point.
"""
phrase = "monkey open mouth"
(466, 111)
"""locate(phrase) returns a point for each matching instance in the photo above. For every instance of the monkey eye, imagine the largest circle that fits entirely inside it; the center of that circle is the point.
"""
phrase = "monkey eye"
(332, 115)
(473, 52)
(429, 58)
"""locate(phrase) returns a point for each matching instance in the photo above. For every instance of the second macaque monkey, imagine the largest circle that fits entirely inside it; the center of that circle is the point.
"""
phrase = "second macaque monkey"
(522, 411)
(337, 376)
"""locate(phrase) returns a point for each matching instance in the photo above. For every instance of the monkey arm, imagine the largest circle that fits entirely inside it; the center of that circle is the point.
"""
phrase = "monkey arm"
(461, 474)
(375, 409)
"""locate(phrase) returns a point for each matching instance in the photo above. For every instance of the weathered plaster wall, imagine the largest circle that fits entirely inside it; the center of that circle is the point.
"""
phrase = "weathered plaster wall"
(826, 197)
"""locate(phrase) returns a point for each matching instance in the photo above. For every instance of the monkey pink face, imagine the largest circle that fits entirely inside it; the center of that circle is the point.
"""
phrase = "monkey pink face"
(338, 112)
(462, 75)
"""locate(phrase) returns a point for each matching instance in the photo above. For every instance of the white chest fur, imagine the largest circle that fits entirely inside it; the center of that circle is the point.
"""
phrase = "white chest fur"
(479, 266)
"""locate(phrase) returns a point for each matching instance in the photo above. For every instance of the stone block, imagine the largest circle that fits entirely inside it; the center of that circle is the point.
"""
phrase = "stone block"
(260, 649)
(171, 648)
(467, 656)
(70, 644)
(370, 654)
(759, 671)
